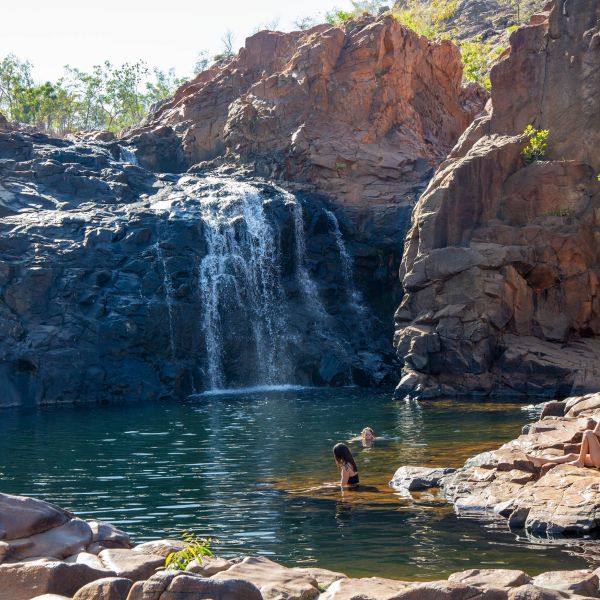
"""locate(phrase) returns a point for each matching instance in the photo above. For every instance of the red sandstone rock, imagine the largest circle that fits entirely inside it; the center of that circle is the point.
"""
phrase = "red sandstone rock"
(361, 111)
(501, 267)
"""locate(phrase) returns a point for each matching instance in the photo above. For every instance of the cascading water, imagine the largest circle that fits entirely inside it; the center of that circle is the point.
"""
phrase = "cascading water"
(169, 292)
(127, 155)
(356, 300)
(240, 274)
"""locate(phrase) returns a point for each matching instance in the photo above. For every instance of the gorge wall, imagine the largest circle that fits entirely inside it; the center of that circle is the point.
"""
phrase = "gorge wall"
(501, 265)
(164, 263)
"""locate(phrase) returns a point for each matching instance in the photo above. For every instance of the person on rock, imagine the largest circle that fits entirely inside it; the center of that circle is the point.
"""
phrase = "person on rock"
(589, 455)
(348, 469)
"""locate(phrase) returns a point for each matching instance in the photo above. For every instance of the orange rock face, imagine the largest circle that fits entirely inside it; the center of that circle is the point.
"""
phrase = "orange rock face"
(501, 267)
(361, 112)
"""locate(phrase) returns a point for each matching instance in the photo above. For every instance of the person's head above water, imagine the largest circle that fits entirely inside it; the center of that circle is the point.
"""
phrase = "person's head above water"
(342, 456)
(367, 434)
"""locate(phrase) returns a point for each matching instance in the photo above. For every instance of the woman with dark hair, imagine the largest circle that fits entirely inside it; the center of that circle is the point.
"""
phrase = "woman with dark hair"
(345, 461)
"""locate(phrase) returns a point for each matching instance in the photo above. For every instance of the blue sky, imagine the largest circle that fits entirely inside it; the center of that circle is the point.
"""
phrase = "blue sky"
(164, 33)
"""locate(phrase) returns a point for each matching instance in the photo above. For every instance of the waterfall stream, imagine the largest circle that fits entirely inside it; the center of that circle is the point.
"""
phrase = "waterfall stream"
(168, 287)
(356, 300)
(258, 311)
(240, 274)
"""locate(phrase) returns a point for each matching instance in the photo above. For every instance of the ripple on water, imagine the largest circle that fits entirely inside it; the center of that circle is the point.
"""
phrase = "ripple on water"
(240, 468)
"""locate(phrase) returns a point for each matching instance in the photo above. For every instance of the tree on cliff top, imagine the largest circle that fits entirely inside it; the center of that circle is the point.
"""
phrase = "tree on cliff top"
(108, 97)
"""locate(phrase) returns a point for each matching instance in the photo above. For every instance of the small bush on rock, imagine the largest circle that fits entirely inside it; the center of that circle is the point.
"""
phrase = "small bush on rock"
(538, 144)
(195, 549)
(477, 58)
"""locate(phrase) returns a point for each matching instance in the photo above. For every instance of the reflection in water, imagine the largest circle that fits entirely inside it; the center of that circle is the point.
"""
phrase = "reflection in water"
(238, 468)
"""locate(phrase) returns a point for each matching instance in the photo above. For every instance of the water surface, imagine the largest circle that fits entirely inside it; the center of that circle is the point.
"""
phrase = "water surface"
(237, 467)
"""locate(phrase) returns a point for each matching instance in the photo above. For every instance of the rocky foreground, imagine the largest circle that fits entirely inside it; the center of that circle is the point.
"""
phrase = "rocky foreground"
(47, 553)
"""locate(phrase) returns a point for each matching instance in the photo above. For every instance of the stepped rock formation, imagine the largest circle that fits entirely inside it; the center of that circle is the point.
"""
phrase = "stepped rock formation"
(555, 500)
(361, 112)
(501, 267)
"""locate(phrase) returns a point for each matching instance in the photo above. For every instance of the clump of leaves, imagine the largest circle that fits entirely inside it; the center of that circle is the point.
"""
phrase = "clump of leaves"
(477, 58)
(538, 144)
(340, 166)
(428, 19)
(558, 212)
(195, 548)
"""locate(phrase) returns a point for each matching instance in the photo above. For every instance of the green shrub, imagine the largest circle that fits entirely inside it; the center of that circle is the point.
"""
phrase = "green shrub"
(558, 212)
(428, 19)
(538, 144)
(195, 549)
(478, 58)
(335, 17)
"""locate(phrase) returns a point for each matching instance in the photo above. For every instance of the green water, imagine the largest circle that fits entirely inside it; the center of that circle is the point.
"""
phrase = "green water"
(236, 467)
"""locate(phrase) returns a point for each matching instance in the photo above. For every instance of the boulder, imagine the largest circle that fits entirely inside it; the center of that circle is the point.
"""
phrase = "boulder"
(109, 588)
(60, 542)
(371, 588)
(491, 578)
(581, 582)
(22, 581)
(374, 588)
(131, 564)
(211, 565)
(532, 592)
(168, 585)
(273, 580)
(160, 547)
(106, 533)
(85, 558)
(22, 517)
(419, 478)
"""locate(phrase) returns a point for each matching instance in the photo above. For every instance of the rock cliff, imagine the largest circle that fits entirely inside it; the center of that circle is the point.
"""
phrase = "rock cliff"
(117, 283)
(122, 276)
(501, 267)
(361, 111)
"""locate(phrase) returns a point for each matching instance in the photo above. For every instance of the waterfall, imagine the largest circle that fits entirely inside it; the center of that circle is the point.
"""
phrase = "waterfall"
(240, 274)
(127, 155)
(355, 296)
(307, 285)
(168, 287)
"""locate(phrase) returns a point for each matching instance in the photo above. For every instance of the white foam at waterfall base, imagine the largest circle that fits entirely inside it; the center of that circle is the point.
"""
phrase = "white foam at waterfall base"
(256, 389)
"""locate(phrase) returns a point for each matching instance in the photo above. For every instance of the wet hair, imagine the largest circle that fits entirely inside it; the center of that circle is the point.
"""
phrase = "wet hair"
(342, 453)
(368, 429)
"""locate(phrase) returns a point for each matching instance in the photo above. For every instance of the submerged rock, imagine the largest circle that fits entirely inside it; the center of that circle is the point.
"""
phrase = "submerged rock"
(419, 478)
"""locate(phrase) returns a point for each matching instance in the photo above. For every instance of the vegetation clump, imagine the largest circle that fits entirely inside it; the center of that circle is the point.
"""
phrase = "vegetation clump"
(107, 97)
(428, 19)
(537, 146)
(195, 548)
